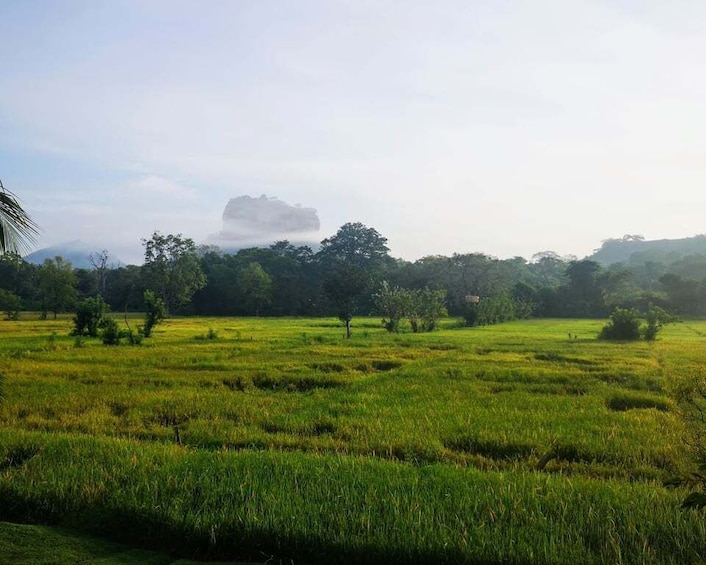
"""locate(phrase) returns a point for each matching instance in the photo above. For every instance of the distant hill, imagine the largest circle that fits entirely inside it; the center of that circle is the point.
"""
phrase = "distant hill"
(634, 249)
(76, 252)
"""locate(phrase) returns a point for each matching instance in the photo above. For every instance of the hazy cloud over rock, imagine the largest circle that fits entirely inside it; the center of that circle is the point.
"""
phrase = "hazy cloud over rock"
(249, 222)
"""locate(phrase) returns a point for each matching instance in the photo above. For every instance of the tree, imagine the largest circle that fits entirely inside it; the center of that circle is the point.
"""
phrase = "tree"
(99, 262)
(355, 244)
(57, 286)
(344, 286)
(393, 304)
(256, 287)
(17, 229)
(10, 304)
(351, 261)
(655, 318)
(427, 307)
(172, 269)
(155, 312)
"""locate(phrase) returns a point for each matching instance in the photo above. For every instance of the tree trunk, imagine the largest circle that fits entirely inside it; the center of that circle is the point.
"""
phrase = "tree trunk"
(348, 329)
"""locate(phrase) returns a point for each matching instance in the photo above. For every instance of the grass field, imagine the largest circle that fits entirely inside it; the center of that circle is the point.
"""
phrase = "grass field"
(527, 441)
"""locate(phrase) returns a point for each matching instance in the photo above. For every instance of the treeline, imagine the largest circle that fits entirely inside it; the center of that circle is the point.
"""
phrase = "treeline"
(349, 275)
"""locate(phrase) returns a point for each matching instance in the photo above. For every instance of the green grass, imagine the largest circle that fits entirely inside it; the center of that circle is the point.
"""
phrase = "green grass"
(510, 443)
(40, 545)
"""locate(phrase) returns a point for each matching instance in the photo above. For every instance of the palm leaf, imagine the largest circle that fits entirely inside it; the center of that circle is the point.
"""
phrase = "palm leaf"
(17, 229)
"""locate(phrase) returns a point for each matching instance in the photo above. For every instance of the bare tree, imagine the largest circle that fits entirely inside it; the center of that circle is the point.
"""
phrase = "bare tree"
(99, 261)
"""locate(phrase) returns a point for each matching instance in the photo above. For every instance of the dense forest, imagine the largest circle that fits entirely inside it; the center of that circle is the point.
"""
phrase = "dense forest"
(352, 274)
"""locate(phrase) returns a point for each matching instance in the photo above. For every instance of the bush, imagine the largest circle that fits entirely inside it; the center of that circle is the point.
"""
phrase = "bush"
(656, 317)
(624, 325)
(110, 332)
(89, 315)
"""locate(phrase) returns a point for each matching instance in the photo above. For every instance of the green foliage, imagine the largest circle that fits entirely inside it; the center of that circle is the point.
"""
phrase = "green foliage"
(211, 334)
(256, 287)
(488, 310)
(10, 304)
(110, 332)
(344, 286)
(57, 286)
(89, 315)
(655, 317)
(624, 325)
(427, 307)
(393, 304)
(355, 244)
(172, 269)
(155, 312)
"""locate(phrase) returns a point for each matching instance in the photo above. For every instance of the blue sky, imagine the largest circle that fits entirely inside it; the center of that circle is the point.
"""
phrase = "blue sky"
(507, 127)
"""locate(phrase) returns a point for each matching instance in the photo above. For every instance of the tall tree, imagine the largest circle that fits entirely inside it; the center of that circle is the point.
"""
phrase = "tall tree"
(344, 286)
(17, 229)
(57, 286)
(352, 262)
(172, 268)
(256, 287)
(355, 244)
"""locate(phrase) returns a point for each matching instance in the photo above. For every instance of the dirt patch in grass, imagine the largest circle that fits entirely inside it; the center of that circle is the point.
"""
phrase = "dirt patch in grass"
(328, 367)
(17, 456)
(237, 383)
(295, 384)
(623, 402)
(492, 448)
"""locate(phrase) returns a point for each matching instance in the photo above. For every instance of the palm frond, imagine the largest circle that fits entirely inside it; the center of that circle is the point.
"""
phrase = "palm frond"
(17, 229)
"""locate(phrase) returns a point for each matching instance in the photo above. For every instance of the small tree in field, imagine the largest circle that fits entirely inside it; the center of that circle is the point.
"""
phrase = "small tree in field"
(89, 315)
(394, 304)
(655, 317)
(344, 286)
(429, 307)
(155, 312)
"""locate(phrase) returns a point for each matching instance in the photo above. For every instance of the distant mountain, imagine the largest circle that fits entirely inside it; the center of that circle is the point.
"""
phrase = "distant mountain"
(635, 249)
(76, 252)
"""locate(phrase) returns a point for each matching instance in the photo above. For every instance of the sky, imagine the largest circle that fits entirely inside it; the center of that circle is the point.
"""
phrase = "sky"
(507, 127)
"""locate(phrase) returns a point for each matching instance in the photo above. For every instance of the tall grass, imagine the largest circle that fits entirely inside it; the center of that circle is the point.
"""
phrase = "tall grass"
(505, 444)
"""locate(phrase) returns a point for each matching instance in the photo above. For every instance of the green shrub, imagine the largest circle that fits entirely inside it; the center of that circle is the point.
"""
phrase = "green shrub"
(155, 312)
(624, 325)
(656, 317)
(89, 314)
(110, 332)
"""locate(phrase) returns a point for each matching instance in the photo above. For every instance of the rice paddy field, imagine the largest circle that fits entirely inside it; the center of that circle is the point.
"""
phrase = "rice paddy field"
(278, 440)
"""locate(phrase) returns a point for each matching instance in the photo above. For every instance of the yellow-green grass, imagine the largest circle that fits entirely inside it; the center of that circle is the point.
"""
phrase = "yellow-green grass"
(560, 440)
